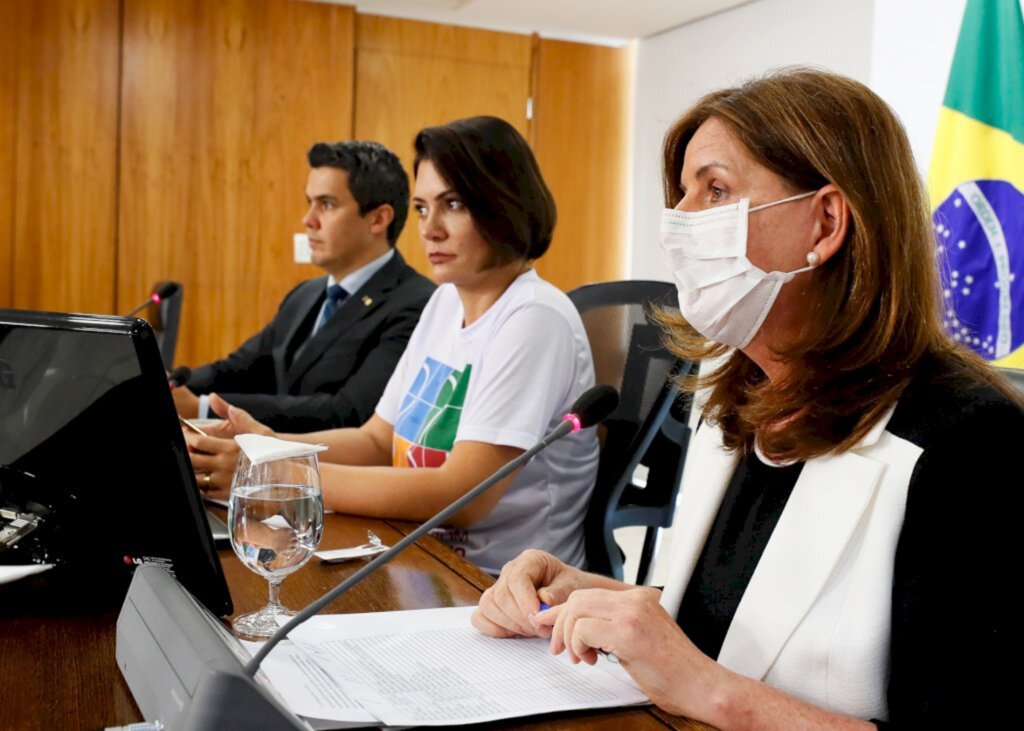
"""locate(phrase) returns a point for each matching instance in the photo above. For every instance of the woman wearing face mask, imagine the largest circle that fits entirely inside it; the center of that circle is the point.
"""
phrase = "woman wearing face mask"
(497, 359)
(841, 551)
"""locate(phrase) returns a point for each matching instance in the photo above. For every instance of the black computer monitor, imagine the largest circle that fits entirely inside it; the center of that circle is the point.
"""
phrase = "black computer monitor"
(94, 473)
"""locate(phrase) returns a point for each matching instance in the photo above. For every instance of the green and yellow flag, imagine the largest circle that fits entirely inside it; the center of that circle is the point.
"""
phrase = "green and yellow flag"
(975, 183)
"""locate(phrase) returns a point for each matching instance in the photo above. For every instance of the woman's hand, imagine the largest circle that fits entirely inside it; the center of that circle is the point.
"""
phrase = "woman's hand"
(507, 608)
(663, 661)
(214, 457)
(236, 420)
(213, 461)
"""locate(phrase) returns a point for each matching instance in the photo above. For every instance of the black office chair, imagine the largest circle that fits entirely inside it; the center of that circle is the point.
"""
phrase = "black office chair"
(1015, 377)
(648, 428)
(164, 317)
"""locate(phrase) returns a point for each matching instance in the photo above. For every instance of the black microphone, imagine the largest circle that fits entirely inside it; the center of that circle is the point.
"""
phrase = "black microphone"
(162, 292)
(179, 377)
(595, 405)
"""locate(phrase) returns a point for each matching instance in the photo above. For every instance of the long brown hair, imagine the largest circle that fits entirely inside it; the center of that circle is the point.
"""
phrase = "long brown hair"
(873, 311)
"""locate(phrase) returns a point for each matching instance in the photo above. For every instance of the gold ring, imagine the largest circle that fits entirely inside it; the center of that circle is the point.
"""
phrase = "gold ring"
(206, 480)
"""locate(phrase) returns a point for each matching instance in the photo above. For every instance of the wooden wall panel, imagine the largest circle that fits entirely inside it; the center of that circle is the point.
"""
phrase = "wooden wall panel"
(411, 74)
(8, 112)
(581, 138)
(202, 180)
(221, 100)
(66, 147)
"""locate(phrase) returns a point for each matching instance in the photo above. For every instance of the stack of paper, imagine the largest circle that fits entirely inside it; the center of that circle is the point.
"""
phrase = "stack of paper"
(14, 573)
(430, 667)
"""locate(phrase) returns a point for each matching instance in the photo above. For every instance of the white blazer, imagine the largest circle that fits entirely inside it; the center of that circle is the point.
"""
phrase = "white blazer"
(815, 618)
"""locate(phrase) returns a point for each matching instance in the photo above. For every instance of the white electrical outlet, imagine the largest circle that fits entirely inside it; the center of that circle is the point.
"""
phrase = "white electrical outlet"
(303, 255)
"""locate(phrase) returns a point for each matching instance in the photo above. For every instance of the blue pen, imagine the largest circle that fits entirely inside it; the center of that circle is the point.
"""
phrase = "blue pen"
(612, 657)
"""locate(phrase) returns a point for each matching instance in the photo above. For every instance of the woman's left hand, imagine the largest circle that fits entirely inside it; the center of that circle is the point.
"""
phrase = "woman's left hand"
(236, 420)
(667, 666)
(213, 461)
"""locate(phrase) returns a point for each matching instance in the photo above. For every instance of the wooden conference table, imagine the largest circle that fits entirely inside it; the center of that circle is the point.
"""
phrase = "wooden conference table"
(60, 673)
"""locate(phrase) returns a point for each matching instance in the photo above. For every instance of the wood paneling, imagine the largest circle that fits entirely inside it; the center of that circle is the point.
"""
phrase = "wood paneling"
(220, 101)
(65, 155)
(201, 178)
(410, 75)
(433, 40)
(8, 112)
(581, 138)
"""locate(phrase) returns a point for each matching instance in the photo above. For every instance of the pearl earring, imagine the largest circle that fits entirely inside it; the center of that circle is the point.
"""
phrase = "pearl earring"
(813, 258)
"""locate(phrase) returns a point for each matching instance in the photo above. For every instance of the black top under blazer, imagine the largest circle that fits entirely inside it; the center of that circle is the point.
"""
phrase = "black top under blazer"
(336, 379)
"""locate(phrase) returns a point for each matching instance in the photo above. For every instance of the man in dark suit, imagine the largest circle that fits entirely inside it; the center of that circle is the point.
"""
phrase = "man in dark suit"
(324, 359)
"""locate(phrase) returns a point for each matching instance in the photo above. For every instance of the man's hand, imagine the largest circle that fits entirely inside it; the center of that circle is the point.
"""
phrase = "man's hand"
(186, 402)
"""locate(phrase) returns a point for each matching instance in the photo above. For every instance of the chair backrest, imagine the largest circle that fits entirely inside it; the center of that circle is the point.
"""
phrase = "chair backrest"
(164, 317)
(649, 426)
(1015, 377)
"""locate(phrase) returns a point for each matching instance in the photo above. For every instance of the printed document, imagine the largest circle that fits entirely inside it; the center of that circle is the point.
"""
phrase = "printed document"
(431, 667)
(307, 689)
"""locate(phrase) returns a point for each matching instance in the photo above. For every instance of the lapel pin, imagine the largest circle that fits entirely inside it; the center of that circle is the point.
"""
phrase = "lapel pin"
(367, 301)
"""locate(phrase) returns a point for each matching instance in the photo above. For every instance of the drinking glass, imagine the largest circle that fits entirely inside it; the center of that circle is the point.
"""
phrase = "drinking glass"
(276, 518)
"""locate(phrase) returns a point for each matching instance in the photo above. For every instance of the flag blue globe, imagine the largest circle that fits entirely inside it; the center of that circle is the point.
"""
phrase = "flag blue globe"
(979, 232)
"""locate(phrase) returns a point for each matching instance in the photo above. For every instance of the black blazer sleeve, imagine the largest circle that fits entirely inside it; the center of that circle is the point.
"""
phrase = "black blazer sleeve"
(353, 403)
(340, 374)
(250, 369)
(956, 569)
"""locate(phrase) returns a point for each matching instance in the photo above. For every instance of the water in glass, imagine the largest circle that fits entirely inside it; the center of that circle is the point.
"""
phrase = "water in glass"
(276, 518)
(277, 527)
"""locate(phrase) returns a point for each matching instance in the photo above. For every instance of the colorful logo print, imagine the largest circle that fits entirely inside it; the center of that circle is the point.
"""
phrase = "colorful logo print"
(428, 418)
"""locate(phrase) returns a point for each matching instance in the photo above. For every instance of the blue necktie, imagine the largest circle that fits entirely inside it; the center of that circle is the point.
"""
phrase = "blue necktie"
(336, 294)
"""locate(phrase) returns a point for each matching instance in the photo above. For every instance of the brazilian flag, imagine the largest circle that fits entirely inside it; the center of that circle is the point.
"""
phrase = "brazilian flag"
(976, 182)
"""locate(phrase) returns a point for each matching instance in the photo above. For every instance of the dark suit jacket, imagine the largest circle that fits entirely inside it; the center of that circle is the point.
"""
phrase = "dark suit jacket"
(337, 378)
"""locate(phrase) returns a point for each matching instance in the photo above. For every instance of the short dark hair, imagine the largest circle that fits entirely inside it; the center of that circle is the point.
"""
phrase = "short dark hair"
(375, 177)
(489, 164)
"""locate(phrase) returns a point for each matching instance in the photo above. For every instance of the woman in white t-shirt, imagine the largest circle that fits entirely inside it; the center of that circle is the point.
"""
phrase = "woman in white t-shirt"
(497, 359)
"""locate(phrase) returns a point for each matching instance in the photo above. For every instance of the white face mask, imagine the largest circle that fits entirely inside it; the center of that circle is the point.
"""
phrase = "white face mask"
(721, 293)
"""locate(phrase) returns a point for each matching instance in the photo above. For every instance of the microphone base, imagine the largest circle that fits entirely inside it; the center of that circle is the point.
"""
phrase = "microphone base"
(183, 666)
